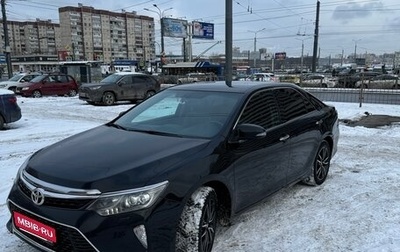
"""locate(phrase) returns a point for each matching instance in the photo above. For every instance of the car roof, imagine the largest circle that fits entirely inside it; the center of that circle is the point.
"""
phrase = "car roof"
(236, 86)
(129, 73)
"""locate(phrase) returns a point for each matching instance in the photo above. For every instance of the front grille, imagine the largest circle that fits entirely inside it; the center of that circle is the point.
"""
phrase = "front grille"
(56, 202)
(68, 239)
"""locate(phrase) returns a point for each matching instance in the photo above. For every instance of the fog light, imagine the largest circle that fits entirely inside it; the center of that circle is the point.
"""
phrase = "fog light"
(140, 232)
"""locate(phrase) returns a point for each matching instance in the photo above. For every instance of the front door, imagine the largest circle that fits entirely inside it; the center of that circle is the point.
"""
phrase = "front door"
(261, 164)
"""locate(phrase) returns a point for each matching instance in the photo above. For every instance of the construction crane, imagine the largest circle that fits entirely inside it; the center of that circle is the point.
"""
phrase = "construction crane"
(201, 54)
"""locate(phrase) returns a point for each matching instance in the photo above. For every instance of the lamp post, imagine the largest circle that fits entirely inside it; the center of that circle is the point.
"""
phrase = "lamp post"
(255, 44)
(302, 53)
(355, 49)
(160, 14)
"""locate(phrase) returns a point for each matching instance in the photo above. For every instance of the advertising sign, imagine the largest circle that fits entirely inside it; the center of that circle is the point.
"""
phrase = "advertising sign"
(280, 55)
(176, 28)
(203, 30)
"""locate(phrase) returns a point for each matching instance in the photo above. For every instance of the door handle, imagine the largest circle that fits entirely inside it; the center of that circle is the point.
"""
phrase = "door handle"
(284, 138)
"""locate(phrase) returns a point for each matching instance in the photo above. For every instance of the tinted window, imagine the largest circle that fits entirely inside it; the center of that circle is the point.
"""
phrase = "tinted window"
(126, 80)
(140, 79)
(292, 104)
(261, 109)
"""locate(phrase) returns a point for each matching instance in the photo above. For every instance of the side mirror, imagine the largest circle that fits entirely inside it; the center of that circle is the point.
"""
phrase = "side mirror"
(246, 131)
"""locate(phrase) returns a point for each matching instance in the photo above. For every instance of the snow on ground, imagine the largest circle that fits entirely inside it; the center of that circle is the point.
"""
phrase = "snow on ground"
(356, 209)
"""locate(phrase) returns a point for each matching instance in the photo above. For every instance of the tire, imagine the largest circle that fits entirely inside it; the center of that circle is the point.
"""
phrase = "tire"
(72, 93)
(36, 94)
(321, 165)
(150, 93)
(108, 98)
(324, 85)
(196, 230)
(1, 122)
(396, 86)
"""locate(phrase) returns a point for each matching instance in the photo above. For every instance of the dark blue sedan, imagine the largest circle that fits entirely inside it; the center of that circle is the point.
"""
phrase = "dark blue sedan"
(9, 109)
(161, 175)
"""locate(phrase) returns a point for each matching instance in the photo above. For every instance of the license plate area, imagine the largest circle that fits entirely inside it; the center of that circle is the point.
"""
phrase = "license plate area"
(34, 227)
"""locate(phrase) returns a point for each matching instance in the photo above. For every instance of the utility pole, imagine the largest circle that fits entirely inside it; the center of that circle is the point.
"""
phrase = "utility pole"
(6, 39)
(255, 46)
(316, 32)
(228, 42)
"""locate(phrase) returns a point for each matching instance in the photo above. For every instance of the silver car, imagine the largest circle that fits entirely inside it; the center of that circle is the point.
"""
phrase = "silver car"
(18, 80)
(383, 81)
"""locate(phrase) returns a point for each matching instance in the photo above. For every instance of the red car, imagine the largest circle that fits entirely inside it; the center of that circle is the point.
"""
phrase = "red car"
(49, 84)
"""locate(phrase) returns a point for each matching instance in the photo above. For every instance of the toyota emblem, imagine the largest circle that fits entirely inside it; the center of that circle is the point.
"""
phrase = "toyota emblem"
(37, 196)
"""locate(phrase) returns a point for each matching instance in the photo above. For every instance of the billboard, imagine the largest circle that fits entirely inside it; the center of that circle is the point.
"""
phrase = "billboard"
(176, 28)
(280, 55)
(203, 30)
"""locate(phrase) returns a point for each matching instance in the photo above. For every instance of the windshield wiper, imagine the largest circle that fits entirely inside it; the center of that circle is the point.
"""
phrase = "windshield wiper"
(154, 132)
(116, 126)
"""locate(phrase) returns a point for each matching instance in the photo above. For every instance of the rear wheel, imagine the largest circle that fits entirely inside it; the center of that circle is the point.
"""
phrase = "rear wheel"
(321, 165)
(196, 230)
(36, 94)
(108, 98)
(150, 93)
(72, 92)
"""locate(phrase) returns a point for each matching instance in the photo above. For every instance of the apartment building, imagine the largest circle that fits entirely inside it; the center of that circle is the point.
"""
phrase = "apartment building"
(32, 37)
(93, 34)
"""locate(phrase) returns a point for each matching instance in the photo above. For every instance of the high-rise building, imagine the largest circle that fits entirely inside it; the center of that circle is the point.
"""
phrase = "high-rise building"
(93, 34)
(40, 37)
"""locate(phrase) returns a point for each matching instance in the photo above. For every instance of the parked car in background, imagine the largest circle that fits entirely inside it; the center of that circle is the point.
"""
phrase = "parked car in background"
(383, 81)
(269, 77)
(49, 84)
(122, 86)
(18, 80)
(161, 175)
(294, 79)
(9, 109)
(317, 80)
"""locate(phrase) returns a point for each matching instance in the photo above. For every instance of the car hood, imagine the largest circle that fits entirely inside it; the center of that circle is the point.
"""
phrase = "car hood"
(110, 159)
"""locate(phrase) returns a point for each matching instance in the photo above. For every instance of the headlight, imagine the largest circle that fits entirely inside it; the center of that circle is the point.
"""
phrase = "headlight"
(127, 201)
(95, 88)
(25, 88)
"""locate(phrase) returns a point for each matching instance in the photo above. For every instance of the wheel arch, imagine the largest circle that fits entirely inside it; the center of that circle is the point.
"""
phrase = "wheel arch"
(224, 198)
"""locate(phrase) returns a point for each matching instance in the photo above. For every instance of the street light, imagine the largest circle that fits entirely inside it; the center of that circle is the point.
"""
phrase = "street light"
(160, 14)
(355, 49)
(342, 56)
(302, 53)
(255, 44)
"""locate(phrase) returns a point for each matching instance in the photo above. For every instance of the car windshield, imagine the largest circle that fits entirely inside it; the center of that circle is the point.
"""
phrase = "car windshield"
(111, 78)
(16, 77)
(183, 113)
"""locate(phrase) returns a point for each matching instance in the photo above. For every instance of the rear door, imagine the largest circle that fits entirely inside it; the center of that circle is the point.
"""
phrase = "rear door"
(141, 84)
(301, 121)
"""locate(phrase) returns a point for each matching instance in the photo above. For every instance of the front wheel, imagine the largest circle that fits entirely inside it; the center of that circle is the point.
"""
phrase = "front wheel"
(321, 165)
(196, 230)
(108, 98)
(36, 94)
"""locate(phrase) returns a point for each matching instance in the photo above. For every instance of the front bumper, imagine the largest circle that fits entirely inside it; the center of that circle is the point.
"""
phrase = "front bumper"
(90, 96)
(83, 230)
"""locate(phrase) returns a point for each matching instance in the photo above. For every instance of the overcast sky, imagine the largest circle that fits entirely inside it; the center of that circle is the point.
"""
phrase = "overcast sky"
(372, 25)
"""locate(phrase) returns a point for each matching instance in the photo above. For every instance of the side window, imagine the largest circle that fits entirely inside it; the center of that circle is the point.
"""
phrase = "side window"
(262, 110)
(292, 104)
(139, 79)
(62, 78)
(126, 80)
